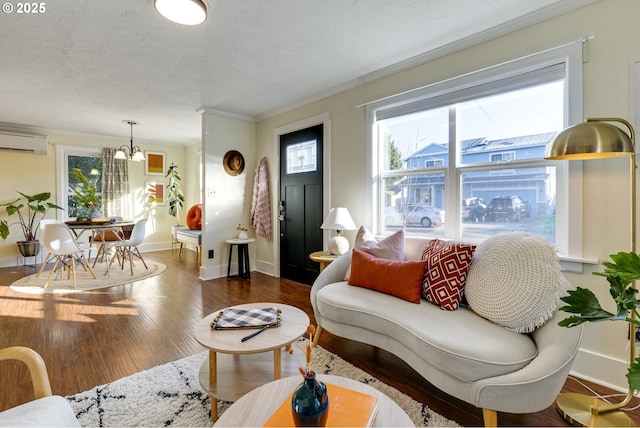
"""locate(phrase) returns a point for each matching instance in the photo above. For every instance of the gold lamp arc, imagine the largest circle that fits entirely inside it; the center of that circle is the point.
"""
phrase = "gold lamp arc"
(598, 138)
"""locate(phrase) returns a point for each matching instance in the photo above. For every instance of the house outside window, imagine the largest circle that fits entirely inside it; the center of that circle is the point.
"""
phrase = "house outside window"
(478, 137)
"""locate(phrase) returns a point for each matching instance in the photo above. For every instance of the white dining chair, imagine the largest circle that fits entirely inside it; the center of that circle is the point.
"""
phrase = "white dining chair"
(60, 243)
(42, 226)
(127, 249)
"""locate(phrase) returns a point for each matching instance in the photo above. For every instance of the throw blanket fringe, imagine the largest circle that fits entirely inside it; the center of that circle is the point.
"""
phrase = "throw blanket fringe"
(260, 204)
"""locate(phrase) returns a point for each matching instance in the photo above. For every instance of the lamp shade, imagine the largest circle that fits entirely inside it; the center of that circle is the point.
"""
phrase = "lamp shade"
(592, 139)
(185, 12)
(338, 219)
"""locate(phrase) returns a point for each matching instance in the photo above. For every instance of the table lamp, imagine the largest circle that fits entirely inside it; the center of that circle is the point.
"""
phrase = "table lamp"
(597, 139)
(338, 219)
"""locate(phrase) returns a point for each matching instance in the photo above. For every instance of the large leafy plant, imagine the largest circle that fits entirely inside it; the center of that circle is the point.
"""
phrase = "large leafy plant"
(174, 192)
(621, 275)
(30, 209)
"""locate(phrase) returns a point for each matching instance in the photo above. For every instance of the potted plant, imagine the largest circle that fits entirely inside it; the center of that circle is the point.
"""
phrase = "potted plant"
(175, 197)
(30, 210)
(621, 275)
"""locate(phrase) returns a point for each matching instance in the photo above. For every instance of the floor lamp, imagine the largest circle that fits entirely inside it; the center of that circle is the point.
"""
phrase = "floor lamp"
(598, 139)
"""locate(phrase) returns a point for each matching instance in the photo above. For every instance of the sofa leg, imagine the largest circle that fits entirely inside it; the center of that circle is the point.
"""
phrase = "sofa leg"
(316, 336)
(490, 418)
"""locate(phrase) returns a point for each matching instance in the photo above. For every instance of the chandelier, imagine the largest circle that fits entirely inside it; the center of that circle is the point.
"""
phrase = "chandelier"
(132, 152)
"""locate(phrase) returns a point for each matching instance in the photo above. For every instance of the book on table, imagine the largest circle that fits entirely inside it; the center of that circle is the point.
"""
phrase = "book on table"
(347, 408)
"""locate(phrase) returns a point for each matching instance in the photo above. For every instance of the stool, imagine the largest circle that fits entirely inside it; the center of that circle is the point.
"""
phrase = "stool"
(244, 269)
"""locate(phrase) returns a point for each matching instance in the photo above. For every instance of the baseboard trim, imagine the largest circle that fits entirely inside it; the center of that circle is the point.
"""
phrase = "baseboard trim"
(601, 369)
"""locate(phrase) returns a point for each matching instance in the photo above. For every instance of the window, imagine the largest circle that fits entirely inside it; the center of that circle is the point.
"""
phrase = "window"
(480, 137)
(502, 157)
(433, 162)
(88, 160)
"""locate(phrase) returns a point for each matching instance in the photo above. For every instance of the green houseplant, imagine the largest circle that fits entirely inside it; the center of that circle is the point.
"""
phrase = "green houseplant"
(174, 192)
(621, 275)
(30, 209)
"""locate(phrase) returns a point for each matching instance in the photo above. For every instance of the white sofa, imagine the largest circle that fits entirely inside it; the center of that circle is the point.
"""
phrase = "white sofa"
(458, 351)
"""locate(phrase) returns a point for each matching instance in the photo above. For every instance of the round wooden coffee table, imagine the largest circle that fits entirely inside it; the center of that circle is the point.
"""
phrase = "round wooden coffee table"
(243, 366)
(255, 408)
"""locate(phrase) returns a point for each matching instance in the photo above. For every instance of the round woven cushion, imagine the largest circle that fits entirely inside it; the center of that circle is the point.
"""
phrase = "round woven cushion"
(514, 280)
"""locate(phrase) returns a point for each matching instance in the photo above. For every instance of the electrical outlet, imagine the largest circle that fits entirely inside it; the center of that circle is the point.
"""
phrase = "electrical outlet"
(210, 254)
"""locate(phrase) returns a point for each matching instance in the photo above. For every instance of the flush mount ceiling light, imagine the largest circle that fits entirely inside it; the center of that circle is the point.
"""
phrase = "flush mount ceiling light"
(185, 12)
(132, 152)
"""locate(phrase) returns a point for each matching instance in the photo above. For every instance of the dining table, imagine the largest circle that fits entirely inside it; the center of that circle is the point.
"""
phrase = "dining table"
(81, 227)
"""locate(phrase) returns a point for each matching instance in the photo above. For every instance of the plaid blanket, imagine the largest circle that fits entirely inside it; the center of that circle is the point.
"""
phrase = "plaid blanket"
(246, 318)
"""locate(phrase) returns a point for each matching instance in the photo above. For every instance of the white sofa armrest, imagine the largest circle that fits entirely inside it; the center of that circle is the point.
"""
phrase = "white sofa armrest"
(335, 272)
(547, 372)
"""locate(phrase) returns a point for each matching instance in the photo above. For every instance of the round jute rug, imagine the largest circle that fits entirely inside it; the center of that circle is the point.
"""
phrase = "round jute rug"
(60, 284)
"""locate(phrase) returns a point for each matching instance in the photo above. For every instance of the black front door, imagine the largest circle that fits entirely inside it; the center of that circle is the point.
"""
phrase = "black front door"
(300, 203)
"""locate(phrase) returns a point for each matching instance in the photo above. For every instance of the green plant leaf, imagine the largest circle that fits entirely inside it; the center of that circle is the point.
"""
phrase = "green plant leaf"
(583, 302)
(633, 374)
(4, 229)
(626, 266)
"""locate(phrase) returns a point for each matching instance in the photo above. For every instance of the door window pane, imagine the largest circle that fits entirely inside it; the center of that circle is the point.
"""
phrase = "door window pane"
(302, 157)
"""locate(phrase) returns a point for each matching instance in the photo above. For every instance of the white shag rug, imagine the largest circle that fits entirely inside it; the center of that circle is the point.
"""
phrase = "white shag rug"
(170, 395)
(33, 284)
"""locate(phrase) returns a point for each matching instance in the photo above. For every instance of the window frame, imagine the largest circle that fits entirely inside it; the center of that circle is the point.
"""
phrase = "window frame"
(568, 174)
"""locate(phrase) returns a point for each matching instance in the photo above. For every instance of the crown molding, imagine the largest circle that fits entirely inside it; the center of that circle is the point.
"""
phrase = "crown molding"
(543, 14)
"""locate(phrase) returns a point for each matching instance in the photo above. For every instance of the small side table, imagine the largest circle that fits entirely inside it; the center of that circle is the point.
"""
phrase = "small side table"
(244, 270)
(322, 257)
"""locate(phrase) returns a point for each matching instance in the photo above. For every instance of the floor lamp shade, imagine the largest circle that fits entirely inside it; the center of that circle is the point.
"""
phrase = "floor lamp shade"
(338, 219)
(591, 140)
(598, 138)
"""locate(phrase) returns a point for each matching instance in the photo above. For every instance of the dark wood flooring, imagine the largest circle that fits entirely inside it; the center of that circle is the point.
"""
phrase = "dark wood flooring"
(96, 337)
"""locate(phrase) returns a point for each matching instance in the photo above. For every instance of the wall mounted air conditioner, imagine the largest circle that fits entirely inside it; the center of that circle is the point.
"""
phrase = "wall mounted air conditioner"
(23, 143)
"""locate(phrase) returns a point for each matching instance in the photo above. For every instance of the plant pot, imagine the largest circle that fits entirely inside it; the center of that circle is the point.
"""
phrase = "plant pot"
(242, 235)
(29, 248)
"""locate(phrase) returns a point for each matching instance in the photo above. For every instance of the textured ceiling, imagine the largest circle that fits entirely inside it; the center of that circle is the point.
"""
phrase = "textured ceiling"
(84, 66)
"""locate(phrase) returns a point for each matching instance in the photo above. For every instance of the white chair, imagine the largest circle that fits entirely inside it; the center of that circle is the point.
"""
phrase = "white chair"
(43, 225)
(104, 238)
(46, 409)
(60, 243)
(129, 248)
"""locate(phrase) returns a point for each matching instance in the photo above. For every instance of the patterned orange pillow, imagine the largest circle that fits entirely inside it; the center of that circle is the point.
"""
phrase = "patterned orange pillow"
(447, 267)
(397, 278)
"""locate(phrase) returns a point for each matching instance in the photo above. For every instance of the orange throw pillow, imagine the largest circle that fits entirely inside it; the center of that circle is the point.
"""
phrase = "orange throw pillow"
(397, 278)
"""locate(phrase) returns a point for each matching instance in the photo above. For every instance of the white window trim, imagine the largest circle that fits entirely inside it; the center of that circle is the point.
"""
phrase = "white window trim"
(62, 166)
(568, 195)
